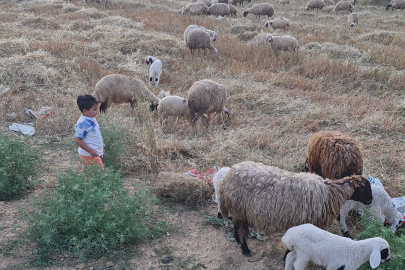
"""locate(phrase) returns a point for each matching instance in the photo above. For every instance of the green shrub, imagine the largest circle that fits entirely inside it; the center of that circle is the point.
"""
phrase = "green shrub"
(19, 165)
(90, 215)
(114, 139)
(373, 228)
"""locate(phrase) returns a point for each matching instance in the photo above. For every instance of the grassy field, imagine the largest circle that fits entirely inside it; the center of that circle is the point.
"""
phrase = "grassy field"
(345, 79)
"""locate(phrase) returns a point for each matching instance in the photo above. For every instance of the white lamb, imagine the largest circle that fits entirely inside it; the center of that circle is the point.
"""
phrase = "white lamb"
(307, 243)
(382, 205)
(217, 179)
(155, 69)
(174, 106)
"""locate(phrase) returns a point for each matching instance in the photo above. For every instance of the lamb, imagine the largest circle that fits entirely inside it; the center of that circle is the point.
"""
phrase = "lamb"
(173, 106)
(274, 200)
(396, 4)
(117, 88)
(308, 243)
(313, 4)
(334, 155)
(343, 5)
(216, 181)
(155, 69)
(206, 97)
(212, 34)
(199, 39)
(278, 23)
(381, 205)
(282, 43)
(232, 10)
(353, 19)
(260, 9)
(197, 8)
(220, 9)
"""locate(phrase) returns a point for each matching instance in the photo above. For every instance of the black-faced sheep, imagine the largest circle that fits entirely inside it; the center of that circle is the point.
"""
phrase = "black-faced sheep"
(308, 243)
(212, 34)
(282, 43)
(260, 10)
(353, 19)
(343, 5)
(199, 39)
(278, 23)
(274, 200)
(334, 155)
(396, 4)
(174, 106)
(117, 88)
(220, 9)
(315, 4)
(155, 69)
(206, 97)
(197, 8)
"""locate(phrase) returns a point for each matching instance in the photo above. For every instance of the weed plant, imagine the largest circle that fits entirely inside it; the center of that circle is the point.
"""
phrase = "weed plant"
(89, 215)
(372, 228)
(114, 140)
(19, 165)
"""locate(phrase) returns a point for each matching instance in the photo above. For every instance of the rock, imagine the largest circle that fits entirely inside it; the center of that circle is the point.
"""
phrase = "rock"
(80, 266)
(109, 264)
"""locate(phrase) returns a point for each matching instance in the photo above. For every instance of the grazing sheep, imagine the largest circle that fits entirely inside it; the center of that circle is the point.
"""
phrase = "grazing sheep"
(283, 2)
(174, 106)
(334, 155)
(117, 88)
(282, 43)
(199, 39)
(216, 181)
(343, 5)
(274, 200)
(207, 2)
(382, 205)
(353, 19)
(220, 9)
(232, 10)
(278, 23)
(235, 2)
(313, 4)
(308, 243)
(212, 34)
(206, 97)
(155, 69)
(260, 9)
(396, 4)
(197, 8)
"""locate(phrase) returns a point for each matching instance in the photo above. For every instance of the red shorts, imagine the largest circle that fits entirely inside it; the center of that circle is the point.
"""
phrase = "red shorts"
(91, 161)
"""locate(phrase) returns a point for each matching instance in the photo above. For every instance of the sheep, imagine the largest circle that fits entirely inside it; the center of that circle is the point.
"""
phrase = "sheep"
(220, 9)
(282, 43)
(207, 2)
(214, 1)
(173, 106)
(382, 205)
(273, 199)
(197, 8)
(343, 5)
(212, 34)
(235, 2)
(155, 69)
(117, 88)
(396, 4)
(334, 155)
(206, 97)
(353, 19)
(308, 243)
(260, 9)
(217, 179)
(313, 4)
(199, 39)
(278, 23)
(232, 10)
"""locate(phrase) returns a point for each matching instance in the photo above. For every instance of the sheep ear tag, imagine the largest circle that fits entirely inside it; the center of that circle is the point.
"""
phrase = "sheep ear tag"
(375, 258)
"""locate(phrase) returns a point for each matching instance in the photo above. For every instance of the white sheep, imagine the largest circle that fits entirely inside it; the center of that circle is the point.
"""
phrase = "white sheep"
(117, 88)
(212, 34)
(282, 43)
(343, 5)
(260, 9)
(382, 205)
(220, 9)
(216, 181)
(307, 243)
(197, 8)
(278, 23)
(155, 69)
(313, 4)
(232, 10)
(353, 19)
(174, 106)
(199, 39)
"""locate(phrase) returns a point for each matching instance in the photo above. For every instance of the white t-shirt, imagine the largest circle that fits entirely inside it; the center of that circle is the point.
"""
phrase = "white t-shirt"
(88, 130)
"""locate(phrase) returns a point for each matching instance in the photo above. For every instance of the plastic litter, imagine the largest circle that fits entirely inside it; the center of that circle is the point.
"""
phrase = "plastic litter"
(42, 113)
(204, 175)
(374, 181)
(24, 129)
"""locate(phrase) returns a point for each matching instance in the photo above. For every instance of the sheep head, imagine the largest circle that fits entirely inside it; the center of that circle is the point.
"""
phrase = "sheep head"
(269, 39)
(245, 13)
(149, 60)
(361, 188)
(153, 107)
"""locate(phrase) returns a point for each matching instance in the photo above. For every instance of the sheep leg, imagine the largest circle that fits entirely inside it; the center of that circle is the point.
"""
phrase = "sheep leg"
(157, 81)
(236, 231)
(300, 262)
(290, 257)
(244, 246)
(150, 80)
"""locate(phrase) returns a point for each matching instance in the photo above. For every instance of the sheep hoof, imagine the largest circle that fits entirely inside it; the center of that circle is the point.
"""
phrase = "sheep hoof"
(220, 216)
(347, 234)
(247, 254)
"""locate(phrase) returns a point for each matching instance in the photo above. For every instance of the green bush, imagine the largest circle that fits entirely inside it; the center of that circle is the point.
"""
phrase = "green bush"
(373, 228)
(114, 140)
(19, 165)
(89, 215)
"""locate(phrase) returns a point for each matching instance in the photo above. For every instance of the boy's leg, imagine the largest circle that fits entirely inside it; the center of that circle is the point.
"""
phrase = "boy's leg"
(86, 161)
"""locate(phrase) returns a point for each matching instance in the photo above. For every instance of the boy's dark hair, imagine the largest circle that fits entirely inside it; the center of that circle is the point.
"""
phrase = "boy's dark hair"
(86, 102)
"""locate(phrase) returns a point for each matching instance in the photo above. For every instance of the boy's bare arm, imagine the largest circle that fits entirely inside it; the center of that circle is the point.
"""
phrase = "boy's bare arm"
(85, 147)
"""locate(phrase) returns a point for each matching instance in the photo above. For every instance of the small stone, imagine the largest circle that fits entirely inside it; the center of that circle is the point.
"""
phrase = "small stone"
(80, 266)
(109, 264)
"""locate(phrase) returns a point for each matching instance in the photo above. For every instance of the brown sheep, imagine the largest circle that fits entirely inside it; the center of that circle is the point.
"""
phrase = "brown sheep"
(334, 155)
(343, 5)
(198, 38)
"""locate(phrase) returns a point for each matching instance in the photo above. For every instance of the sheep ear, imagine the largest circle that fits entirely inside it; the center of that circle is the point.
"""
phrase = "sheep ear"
(375, 258)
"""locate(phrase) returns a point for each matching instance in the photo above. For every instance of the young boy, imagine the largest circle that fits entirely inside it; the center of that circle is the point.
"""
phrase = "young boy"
(87, 133)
